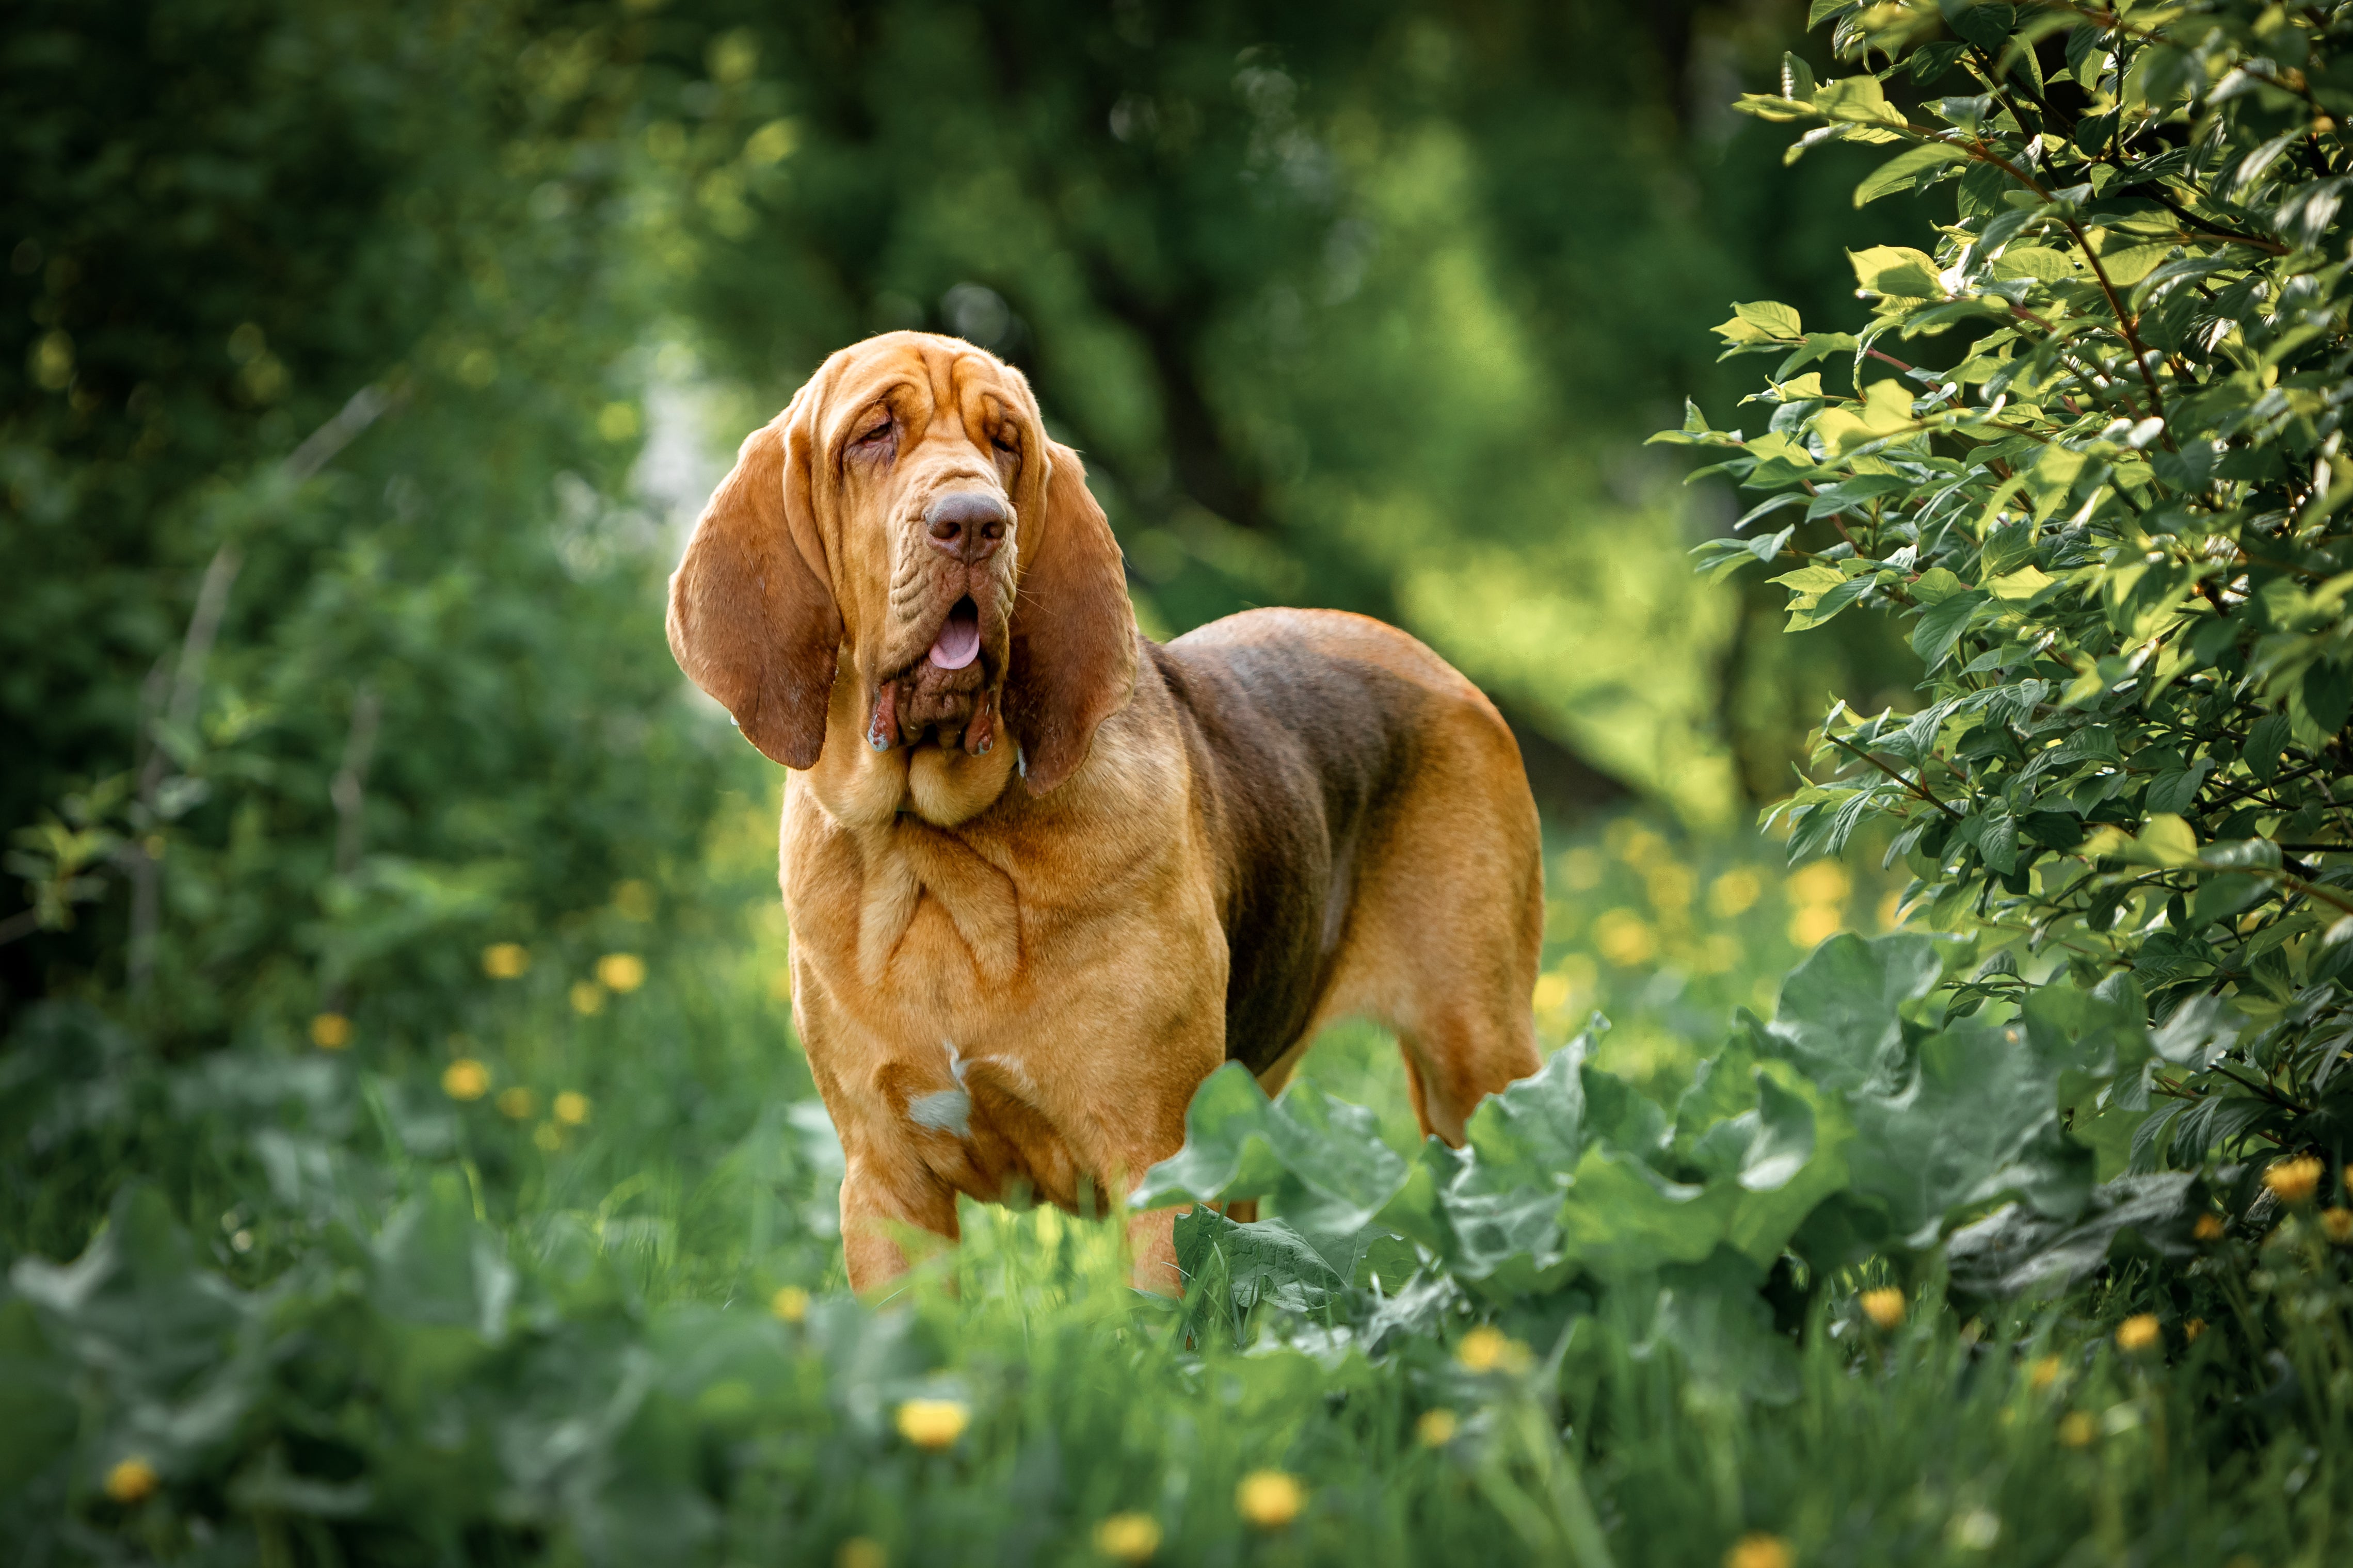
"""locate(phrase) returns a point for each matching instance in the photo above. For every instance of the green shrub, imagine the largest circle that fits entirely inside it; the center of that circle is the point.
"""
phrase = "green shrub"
(2089, 450)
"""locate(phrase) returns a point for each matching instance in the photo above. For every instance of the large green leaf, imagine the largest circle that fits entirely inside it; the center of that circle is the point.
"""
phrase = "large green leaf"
(2015, 1251)
(1841, 1021)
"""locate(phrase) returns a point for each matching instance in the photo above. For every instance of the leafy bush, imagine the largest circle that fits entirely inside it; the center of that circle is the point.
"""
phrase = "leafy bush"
(2113, 514)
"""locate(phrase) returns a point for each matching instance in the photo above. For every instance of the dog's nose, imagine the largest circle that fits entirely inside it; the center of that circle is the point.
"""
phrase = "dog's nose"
(966, 524)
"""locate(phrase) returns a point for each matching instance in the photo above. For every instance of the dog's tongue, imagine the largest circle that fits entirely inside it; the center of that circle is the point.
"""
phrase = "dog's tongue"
(958, 643)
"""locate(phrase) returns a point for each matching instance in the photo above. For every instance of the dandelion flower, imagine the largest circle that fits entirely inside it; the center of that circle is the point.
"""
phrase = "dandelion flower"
(2043, 1372)
(1489, 1349)
(2209, 1227)
(2140, 1333)
(621, 972)
(330, 1031)
(1759, 1550)
(2077, 1429)
(587, 998)
(1811, 924)
(1883, 1307)
(548, 1136)
(2294, 1181)
(505, 960)
(571, 1108)
(2192, 1329)
(1625, 938)
(859, 1551)
(516, 1103)
(1128, 1537)
(933, 1424)
(465, 1078)
(131, 1480)
(1436, 1428)
(2338, 1223)
(790, 1303)
(1268, 1499)
(1733, 893)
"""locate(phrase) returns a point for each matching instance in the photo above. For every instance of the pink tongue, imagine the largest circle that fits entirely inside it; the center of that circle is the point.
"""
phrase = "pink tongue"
(958, 644)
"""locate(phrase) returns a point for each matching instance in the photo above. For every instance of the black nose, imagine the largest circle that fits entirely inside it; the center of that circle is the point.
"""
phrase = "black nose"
(966, 524)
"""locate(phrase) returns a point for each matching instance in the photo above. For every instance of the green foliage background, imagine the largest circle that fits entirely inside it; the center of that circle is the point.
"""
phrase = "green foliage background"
(402, 1154)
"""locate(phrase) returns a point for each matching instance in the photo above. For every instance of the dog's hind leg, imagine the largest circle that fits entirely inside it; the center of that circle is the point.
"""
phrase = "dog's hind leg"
(1447, 925)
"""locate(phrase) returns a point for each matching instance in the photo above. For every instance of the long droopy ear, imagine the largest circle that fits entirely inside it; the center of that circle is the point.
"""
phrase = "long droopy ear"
(1072, 662)
(751, 614)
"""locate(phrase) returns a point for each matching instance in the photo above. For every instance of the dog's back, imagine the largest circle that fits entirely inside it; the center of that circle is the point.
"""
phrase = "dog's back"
(1371, 813)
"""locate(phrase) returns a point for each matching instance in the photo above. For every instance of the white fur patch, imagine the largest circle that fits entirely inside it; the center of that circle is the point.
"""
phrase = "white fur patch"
(947, 1110)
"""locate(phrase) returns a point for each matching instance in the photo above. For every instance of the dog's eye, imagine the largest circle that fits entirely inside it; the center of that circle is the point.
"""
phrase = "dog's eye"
(878, 433)
(1007, 445)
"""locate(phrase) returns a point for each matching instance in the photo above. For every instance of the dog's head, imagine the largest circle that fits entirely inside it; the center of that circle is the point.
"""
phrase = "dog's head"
(906, 527)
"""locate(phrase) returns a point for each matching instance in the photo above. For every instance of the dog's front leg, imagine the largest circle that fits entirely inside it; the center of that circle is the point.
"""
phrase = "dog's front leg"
(1152, 1247)
(880, 1202)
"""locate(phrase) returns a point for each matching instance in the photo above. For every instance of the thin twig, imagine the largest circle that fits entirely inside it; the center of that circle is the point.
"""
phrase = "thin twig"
(1917, 788)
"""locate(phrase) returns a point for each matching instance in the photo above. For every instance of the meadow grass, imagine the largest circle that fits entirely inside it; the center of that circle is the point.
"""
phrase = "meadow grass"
(629, 1159)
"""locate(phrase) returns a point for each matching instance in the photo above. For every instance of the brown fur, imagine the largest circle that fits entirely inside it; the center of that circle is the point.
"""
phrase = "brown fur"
(1013, 964)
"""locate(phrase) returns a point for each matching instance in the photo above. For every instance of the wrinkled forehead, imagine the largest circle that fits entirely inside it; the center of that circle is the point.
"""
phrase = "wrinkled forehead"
(920, 376)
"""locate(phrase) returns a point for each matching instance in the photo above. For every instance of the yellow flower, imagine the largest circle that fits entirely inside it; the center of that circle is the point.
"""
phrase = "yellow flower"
(1758, 1550)
(1268, 1499)
(2140, 1333)
(1128, 1537)
(517, 1102)
(505, 960)
(1812, 923)
(1734, 892)
(548, 1136)
(571, 1108)
(587, 998)
(791, 1303)
(330, 1031)
(131, 1480)
(1822, 882)
(1883, 1307)
(2209, 1227)
(621, 972)
(1436, 1428)
(1551, 993)
(2192, 1329)
(858, 1552)
(1670, 888)
(933, 1423)
(1624, 938)
(633, 900)
(1489, 1349)
(2077, 1429)
(2043, 1372)
(2294, 1181)
(465, 1078)
(2338, 1223)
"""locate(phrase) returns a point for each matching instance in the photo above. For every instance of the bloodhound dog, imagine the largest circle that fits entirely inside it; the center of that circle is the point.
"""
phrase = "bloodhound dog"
(1042, 875)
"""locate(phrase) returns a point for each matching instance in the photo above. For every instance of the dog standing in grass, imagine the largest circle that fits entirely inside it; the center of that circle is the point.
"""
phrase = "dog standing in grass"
(1044, 876)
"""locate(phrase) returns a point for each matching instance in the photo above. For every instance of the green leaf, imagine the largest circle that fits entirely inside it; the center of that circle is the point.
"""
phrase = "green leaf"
(1974, 1119)
(1897, 271)
(2220, 897)
(1265, 1261)
(2015, 1251)
(1841, 1018)
(1858, 99)
(1914, 169)
(1942, 624)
